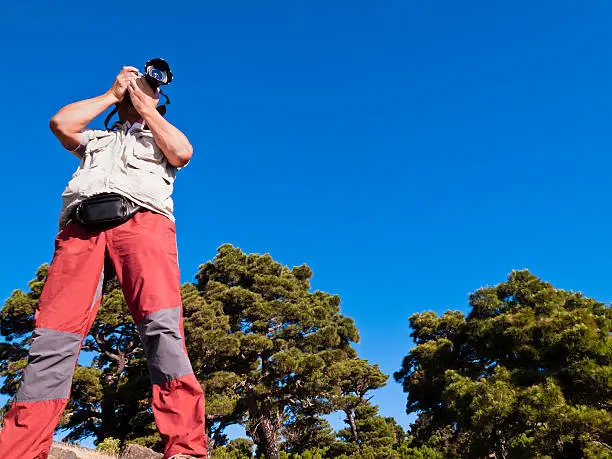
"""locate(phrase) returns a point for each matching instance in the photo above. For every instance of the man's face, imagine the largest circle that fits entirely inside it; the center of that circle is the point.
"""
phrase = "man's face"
(127, 111)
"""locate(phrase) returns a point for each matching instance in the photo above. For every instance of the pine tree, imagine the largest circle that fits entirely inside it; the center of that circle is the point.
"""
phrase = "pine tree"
(528, 373)
(274, 342)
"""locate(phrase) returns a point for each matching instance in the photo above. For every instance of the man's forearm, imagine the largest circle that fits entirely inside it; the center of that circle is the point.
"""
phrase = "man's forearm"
(68, 123)
(171, 140)
(74, 117)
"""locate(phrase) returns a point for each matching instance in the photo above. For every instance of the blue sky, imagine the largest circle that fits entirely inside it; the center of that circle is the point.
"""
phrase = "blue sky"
(409, 152)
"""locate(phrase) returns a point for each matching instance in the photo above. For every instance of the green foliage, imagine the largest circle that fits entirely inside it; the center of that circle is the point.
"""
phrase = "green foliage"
(221, 452)
(423, 452)
(238, 448)
(267, 347)
(528, 373)
(307, 433)
(369, 435)
(110, 445)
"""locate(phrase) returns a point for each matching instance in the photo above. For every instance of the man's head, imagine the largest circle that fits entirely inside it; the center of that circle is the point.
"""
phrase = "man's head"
(137, 92)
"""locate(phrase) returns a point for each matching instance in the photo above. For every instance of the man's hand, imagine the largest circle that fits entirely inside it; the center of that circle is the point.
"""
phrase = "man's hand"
(69, 122)
(127, 75)
(144, 98)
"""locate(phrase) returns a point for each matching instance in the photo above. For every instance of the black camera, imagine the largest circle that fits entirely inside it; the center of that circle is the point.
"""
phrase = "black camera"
(157, 72)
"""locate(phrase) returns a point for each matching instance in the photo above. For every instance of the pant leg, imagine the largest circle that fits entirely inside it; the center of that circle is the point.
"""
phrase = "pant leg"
(68, 303)
(144, 254)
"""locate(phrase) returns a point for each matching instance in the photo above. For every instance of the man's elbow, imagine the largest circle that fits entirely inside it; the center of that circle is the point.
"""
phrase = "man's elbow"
(183, 156)
(58, 126)
(70, 140)
(55, 125)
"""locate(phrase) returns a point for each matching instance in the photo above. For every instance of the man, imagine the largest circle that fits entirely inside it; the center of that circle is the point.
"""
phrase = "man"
(138, 161)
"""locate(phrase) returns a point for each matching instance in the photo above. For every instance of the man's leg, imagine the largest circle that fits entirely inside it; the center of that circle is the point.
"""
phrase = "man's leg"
(68, 303)
(143, 251)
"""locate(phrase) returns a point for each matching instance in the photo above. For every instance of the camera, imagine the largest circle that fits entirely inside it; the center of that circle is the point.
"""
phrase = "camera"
(157, 72)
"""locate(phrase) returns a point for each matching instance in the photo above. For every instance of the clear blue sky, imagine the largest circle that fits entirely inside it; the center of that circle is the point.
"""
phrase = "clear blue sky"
(409, 152)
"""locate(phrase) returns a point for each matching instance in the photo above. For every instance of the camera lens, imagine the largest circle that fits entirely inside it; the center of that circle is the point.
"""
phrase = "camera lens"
(157, 74)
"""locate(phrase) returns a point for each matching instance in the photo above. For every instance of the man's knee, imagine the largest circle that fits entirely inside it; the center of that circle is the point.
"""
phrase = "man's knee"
(163, 343)
(52, 358)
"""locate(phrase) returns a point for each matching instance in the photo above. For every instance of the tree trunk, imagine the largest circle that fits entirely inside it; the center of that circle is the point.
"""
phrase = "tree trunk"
(503, 448)
(267, 438)
(266, 433)
(211, 434)
(351, 420)
(109, 421)
(210, 445)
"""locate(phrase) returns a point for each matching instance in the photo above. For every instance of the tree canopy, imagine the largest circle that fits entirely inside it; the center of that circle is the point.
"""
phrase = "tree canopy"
(527, 373)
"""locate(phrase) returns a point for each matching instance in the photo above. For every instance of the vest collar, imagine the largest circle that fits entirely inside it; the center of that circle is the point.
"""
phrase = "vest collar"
(129, 127)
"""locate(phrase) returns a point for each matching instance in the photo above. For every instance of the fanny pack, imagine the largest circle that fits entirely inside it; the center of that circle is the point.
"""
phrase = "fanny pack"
(104, 211)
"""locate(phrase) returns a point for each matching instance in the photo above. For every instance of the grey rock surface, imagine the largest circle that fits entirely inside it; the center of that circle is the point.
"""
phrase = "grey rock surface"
(68, 451)
(139, 452)
(61, 453)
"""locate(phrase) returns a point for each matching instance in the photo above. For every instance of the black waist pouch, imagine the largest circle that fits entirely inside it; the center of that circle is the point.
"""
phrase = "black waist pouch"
(105, 211)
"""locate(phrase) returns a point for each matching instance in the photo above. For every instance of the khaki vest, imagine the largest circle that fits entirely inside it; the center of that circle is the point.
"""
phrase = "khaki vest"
(130, 164)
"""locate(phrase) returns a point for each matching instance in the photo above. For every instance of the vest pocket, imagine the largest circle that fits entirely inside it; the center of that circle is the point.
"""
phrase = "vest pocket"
(149, 170)
(153, 167)
(98, 148)
(149, 178)
(145, 149)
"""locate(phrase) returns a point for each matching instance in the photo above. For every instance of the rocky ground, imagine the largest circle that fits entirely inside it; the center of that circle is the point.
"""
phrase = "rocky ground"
(66, 451)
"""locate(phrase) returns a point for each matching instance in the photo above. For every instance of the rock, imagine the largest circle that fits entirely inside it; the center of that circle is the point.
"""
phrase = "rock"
(58, 452)
(67, 451)
(139, 452)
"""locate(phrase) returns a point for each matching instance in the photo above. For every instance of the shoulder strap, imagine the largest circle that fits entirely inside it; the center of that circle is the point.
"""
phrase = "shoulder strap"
(161, 109)
(110, 115)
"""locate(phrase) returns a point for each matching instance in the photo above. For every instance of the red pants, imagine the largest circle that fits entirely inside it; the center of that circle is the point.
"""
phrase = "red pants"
(144, 254)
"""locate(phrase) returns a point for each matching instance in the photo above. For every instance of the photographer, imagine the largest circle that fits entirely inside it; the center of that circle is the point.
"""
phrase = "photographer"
(118, 207)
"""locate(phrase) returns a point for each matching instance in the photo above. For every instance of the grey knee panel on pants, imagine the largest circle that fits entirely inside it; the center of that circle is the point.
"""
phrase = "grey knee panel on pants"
(52, 358)
(51, 361)
(163, 345)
